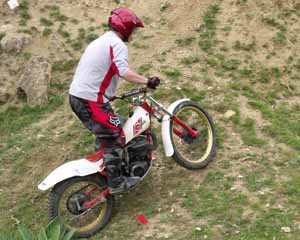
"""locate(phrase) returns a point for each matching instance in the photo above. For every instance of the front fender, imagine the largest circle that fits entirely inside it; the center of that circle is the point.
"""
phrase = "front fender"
(165, 128)
(81, 167)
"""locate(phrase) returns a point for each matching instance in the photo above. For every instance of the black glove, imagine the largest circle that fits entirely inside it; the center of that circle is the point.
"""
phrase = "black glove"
(153, 82)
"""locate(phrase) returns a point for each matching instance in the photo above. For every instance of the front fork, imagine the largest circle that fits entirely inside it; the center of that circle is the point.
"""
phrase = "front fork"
(158, 111)
(192, 132)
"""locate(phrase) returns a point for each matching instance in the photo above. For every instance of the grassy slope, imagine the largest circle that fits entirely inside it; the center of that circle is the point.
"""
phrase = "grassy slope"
(239, 56)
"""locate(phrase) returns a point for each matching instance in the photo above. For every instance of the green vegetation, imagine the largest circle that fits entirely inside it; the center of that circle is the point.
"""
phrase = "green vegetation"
(62, 32)
(47, 31)
(248, 133)
(105, 26)
(77, 45)
(251, 190)
(185, 41)
(53, 231)
(190, 60)
(144, 69)
(24, 13)
(208, 29)
(91, 37)
(13, 120)
(56, 15)
(2, 35)
(173, 74)
(280, 38)
(63, 66)
(244, 47)
(140, 46)
(46, 22)
(164, 6)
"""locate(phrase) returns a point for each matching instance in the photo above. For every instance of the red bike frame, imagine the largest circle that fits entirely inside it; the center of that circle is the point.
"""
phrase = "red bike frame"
(152, 111)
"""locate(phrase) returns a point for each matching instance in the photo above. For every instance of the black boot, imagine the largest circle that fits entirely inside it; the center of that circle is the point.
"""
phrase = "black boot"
(98, 144)
(115, 181)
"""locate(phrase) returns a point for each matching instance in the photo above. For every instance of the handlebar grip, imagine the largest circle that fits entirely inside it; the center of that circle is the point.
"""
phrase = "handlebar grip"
(134, 92)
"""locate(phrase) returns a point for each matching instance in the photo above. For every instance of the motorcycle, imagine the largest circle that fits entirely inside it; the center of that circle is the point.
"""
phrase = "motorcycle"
(80, 198)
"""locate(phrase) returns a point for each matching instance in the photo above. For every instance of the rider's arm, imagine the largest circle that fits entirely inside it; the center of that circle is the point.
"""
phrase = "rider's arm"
(134, 77)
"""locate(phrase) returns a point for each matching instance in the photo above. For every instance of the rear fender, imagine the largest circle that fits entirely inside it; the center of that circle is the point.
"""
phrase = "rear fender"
(81, 167)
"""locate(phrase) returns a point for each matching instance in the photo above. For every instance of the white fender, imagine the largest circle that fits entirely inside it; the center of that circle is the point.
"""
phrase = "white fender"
(81, 167)
(165, 128)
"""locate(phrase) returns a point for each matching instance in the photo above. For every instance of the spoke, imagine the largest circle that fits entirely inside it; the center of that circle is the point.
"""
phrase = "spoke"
(193, 150)
(103, 199)
(86, 191)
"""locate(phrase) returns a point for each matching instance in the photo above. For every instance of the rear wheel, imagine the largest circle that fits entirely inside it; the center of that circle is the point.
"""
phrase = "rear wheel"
(193, 152)
(67, 203)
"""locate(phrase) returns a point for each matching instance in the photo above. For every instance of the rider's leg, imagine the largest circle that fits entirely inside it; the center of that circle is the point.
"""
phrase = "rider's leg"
(88, 113)
(113, 155)
(83, 111)
(98, 144)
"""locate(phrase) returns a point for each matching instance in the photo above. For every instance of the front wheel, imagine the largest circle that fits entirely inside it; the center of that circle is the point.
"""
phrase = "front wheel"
(67, 202)
(193, 152)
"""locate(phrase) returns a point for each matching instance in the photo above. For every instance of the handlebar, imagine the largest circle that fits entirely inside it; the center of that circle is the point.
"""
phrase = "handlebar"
(131, 93)
(134, 92)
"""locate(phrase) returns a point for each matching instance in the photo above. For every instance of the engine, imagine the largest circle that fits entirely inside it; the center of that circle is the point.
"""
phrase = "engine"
(138, 152)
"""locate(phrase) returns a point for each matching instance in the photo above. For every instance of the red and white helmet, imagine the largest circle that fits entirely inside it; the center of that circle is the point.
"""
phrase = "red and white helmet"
(124, 21)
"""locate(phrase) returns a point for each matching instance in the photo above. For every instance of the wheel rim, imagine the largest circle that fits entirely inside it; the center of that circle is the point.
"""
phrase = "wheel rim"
(197, 150)
(88, 218)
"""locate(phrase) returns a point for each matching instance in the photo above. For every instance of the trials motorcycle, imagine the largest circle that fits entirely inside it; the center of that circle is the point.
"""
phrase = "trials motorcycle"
(80, 198)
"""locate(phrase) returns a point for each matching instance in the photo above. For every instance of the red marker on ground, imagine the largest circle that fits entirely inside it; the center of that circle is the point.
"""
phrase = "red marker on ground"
(142, 219)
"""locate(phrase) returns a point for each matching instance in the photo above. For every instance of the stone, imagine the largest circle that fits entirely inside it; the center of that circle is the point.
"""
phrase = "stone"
(14, 42)
(7, 88)
(286, 229)
(35, 81)
(229, 114)
(6, 28)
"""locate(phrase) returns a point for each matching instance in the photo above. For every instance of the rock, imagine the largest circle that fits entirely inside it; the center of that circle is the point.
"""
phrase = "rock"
(7, 88)
(39, 136)
(229, 114)
(14, 42)
(57, 46)
(286, 229)
(6, 28)
(35, 80)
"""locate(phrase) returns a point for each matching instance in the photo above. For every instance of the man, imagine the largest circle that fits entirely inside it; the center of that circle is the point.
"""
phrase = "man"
(95, 81)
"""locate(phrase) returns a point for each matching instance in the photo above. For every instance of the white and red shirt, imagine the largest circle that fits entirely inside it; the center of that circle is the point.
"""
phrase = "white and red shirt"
(103, 62)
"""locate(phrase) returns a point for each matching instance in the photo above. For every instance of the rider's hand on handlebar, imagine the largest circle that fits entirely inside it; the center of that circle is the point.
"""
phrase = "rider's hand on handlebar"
(153, 82)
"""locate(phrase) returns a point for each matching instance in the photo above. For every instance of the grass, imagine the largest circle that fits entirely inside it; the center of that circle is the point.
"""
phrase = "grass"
(250, 191)
(164, 6)
(280, 38)
(13, 120)
(46, 22)
(47, 31)
(24, 13)
(62, 32)
(77, 45)
(139, 46)
(64, 66)
(244, 46)
(171, 73)
(2, 35)
(144, 69)
(185, 41)
(188, 61)
(284, 124)
(208, 29)
(91, 37)
(56, 15)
